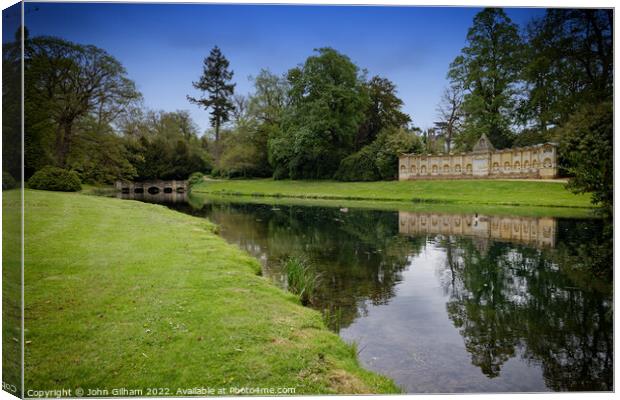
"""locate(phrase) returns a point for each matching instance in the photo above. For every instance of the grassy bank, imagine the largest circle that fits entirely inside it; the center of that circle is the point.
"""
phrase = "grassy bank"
(125, 294)
(483, 192)
(198, 200)
(11, 292)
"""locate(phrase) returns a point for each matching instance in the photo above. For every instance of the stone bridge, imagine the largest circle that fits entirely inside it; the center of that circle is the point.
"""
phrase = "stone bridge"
(152, 186)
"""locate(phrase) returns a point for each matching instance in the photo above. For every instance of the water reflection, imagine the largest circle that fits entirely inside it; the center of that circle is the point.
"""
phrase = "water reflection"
(539, 232)
(358, 254)
(448, 302)
(511, 298)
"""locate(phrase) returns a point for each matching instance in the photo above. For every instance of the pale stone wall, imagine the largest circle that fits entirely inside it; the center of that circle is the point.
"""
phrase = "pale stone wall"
(533, 162)
(540, 232)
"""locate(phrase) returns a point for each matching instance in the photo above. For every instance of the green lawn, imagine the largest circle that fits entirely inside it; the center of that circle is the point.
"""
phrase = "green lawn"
(485, 192)
(11, 292)
(126, 294)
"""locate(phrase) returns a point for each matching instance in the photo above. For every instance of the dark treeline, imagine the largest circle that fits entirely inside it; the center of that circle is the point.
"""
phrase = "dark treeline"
(82, 113)
(325, 118)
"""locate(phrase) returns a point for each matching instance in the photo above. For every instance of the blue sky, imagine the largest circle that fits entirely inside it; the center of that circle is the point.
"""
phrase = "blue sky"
(162, 45)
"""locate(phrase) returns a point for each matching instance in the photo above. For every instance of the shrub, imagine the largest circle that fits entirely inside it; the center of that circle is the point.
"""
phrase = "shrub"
(216, 173)
(378, 160)
(8, 182)
(301, 279)
(390, 143)
(358, 166)
(53, 178)
(587, 146)
(195, 178)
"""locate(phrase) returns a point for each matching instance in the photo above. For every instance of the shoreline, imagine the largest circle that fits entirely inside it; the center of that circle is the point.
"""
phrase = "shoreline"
(199, 199)
(502, 193)
(135, 292)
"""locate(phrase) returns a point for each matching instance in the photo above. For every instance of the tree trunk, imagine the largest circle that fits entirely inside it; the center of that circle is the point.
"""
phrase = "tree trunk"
(63, 143)
(59, 140)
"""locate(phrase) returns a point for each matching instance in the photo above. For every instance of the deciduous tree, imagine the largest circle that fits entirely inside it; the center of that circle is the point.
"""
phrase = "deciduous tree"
(327, 106)
(489, 70)
(569, 62)
(587, 144)
(450, 113)
(66, 81)
(384, 110)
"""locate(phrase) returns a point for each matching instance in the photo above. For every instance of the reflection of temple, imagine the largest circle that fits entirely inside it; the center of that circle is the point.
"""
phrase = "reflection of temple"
(537, 231)
(160, 197)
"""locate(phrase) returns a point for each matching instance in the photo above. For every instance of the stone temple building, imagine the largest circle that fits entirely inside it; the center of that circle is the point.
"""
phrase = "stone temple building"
(531, 162)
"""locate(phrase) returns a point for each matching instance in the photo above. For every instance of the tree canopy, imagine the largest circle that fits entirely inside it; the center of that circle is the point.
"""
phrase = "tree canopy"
(488, 69)
(67, 81)
(537, 87)
(327, 104)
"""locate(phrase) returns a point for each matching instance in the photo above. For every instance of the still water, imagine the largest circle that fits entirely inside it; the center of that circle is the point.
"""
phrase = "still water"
(447, 302)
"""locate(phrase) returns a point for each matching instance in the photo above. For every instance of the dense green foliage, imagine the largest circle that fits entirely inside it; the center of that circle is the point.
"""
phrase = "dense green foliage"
(383, 111)
(64, 83)
(312, 122)
(98, 154)
(359, 166)
(527, 89)
(243, 149)
(191, 292)
(587, 142)
(11, 108)
(519, 88)
(165, 145)
(379, 159)
(8, 182)
(333, 113)
(324, 119)
(195, 178)
(83, 114)
(56, 179)
(569, 63)
(488, 69)
(326, 108)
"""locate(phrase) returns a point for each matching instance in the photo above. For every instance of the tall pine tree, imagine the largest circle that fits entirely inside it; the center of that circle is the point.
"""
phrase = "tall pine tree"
(215, 81)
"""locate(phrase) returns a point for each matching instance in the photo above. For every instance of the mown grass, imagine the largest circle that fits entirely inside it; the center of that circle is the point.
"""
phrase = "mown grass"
(11, 291)
(126, 294)
(481, 192)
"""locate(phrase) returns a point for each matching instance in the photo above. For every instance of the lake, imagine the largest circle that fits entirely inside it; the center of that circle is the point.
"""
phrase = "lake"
(446, 302)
